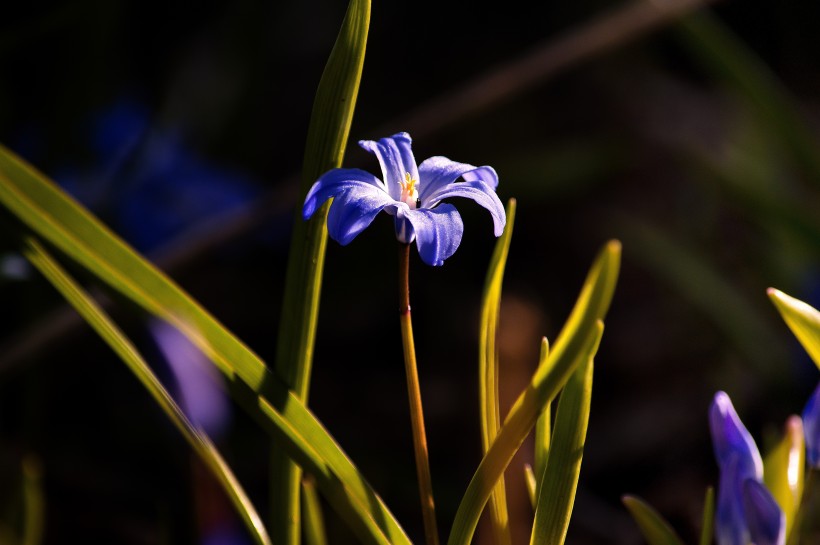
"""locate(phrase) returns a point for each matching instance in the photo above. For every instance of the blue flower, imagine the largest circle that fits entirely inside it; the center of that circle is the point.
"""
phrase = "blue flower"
(746, 511)
(811, 428)
(410, 193)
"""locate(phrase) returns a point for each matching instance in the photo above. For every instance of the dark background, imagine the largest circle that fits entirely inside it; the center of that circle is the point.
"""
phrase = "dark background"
(164, 116)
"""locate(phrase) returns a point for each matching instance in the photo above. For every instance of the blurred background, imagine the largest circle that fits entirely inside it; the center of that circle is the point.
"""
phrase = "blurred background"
(692, 140)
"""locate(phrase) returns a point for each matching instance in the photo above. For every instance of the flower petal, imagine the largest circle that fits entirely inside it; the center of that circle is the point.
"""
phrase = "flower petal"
(730, 522)
(764, 518)
(335, 182)
(731, 438)
(811, 428)
(481, 193)
(396, 158)
(357, 197)
(438, 231)
(438, 172)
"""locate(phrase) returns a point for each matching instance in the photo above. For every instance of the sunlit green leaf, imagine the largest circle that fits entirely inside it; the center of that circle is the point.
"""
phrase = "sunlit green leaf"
(313, 521)
(529, 481)
(556, 493)
(653, 526)
(112, 335)
(488, 371)
(784, 469)
(327, 137)
(543, 431)
(802, 319)
(575, 345)
(55, 217)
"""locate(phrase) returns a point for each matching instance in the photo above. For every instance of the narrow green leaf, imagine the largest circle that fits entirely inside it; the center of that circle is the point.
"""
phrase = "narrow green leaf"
(54, 216)
(784, 468)
(488, 371)
(111, 334)
(556, 493)
(802, 319)
(653, 526)
(33, 502)
(575, 344)
(529, 481)
(327, 137)
(707, 526)
(314, 523)
(543, 431)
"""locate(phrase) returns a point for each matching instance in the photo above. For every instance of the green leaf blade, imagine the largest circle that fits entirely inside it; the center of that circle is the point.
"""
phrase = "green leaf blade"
(802, 319)
(489, 368)
(560, 479)
(55, 217)
(328, 132)
(653, 526)
(577, 342)
(112, 335)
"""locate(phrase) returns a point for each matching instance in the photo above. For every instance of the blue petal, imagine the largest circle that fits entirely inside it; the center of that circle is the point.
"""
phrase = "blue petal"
(811, 428)
(438, 172)
(730, 522)
(438, 231)
(764, 518)
(396, 158)
(480, 193)
(335, 182)
(730, 438)
(357, 198)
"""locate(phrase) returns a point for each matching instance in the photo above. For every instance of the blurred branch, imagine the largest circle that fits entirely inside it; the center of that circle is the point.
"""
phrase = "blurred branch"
(602, 35)
(598, 37)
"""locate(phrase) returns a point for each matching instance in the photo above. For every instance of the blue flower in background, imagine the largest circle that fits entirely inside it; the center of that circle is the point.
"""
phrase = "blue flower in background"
(746, 511)
(410, 193)
(811, 428)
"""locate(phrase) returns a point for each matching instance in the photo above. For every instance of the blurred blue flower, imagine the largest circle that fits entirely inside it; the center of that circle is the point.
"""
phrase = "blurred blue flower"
(410, 193)
(746, 511)
(811, 428)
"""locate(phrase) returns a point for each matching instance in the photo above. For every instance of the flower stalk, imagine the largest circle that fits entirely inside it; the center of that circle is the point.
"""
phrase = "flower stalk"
(428, 509)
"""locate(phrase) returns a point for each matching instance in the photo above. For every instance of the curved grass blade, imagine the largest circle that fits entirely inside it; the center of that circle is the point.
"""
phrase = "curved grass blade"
(802, 319)
(653, 526)
(488, 371)
(560, 479)
(784, 470)
(574, 346)
(314, 523)
(327, 137)
(54, 216)
(118, 342)
(707, 526)
(529, 481)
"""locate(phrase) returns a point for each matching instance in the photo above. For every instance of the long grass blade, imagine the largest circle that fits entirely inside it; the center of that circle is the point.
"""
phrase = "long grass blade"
(112, 335)
(560, 479)
(575, 344)
(327, 137)
(543, 433)
(55, 217)
(488, 371)
(653, 526)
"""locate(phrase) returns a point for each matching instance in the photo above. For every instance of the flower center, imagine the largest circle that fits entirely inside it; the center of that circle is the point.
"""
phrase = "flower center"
(409, 193)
